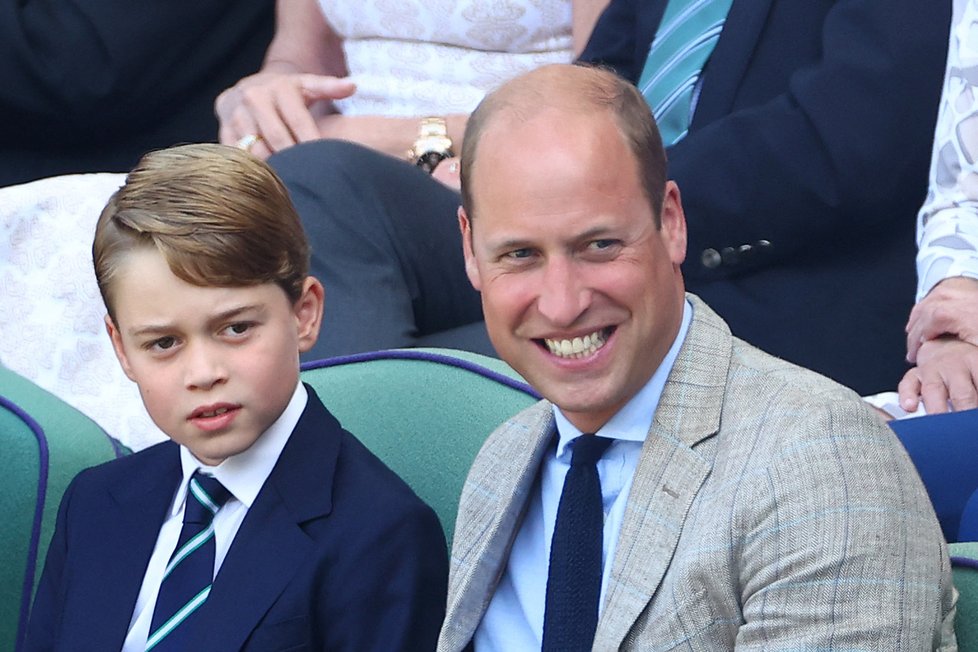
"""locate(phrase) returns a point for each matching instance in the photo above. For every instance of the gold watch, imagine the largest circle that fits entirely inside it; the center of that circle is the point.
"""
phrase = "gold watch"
(432, 145)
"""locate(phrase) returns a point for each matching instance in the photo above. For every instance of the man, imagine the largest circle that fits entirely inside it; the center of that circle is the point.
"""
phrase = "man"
(802, 169)
(743, 502)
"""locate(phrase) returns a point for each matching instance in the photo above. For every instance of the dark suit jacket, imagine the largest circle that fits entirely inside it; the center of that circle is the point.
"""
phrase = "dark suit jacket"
(812, 133)
(336, 553)
(90, 85)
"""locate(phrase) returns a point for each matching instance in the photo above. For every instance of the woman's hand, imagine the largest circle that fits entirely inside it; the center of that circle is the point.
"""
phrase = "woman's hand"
(278, 108)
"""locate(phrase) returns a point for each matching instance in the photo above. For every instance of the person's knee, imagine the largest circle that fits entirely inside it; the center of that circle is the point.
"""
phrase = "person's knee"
(319, 160)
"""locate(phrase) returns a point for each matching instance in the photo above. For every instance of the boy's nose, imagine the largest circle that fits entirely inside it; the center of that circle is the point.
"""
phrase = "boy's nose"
(204, 367)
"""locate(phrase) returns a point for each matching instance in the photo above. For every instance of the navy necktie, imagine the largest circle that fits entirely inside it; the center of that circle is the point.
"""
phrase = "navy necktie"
(190, 571)
(574, 580)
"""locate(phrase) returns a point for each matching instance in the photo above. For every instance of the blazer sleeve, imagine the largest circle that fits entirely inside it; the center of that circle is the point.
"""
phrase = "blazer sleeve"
(84, 70)
(829, 555)
(832, 150)
(42, 626)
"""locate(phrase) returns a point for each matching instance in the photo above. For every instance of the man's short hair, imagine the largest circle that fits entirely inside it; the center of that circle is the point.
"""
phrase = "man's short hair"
(218, 215)
(581, 87)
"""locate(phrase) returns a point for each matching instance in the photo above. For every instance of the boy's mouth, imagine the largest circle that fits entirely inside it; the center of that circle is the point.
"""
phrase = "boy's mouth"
(211, 411)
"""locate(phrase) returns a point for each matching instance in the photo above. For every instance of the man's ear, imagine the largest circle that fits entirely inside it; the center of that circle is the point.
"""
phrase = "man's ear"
(673, 221)
(120, 352)
(471, 268)
(309, 312)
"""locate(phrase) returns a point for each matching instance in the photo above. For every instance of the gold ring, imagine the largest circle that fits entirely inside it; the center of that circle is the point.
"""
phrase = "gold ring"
(247, 142)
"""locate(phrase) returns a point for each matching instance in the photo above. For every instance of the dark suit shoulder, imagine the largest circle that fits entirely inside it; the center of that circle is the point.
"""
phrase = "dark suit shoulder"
(139, 467)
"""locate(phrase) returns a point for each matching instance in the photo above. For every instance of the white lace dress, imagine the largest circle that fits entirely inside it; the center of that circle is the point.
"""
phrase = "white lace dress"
(433, 57)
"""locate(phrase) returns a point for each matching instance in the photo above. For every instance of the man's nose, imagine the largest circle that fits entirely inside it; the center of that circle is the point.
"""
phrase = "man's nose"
(564, 295)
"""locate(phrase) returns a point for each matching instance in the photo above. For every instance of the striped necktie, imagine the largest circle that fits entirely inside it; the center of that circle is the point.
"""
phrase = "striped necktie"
(570, 616)
(190, 571)
(687, 35)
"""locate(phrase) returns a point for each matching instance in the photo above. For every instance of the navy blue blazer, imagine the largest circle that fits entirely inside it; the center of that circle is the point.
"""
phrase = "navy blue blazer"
(803, 170)
(335, 553)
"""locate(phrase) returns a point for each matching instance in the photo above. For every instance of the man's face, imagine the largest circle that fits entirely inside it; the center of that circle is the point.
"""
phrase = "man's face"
(215, 366)
(582, 294)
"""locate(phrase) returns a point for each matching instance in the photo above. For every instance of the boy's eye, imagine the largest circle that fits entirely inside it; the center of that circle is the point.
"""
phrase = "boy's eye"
(163, 343)
(239, 328)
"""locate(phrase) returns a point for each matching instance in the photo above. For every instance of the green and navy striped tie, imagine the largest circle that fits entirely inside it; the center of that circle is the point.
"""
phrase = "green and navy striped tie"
(687, 35)
(190, 572)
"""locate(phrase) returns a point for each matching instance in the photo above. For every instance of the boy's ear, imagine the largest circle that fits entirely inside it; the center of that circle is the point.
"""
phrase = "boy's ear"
(120, 352)
(309, 312)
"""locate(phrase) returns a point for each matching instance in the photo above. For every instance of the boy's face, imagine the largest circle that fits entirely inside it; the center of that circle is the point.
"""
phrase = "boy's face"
(215, 366)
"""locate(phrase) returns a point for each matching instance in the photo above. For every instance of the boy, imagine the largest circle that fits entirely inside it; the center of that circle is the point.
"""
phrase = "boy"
(202, 264)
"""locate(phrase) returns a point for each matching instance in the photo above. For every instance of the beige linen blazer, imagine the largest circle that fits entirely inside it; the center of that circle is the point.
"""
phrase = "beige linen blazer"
(771, 510)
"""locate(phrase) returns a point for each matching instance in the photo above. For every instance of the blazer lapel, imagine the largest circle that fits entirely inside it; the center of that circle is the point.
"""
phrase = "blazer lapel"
(271, 545)
(494, 499)
(669, 474)
(131, 528)
(728, 63)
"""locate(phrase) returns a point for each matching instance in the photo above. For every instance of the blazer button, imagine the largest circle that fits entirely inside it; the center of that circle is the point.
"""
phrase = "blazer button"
(710, 258)
(730, 256)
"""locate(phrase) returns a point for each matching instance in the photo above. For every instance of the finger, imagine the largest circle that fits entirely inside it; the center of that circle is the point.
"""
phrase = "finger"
(325, 87)
(276, 134)
(226, 135)
(909, 391)
(296, 116)
(934, 393)
(961, 390)
(260, 150)
(241, 124)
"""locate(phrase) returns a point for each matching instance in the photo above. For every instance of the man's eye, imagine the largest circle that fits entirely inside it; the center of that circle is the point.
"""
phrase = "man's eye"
(518, 254)
(601, 244)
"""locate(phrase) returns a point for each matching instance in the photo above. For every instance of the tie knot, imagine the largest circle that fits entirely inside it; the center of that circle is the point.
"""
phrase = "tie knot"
(205, 495)
(588, 449)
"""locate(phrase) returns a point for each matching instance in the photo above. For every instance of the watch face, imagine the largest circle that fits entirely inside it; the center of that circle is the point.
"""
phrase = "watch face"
(430, 160)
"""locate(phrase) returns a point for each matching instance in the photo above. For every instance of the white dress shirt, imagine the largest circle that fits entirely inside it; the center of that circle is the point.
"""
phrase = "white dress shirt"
(243, 475)
(514, 618)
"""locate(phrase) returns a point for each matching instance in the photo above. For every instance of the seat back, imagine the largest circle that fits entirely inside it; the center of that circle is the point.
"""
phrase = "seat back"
(45, 442)
(424, 412)
(964, 565)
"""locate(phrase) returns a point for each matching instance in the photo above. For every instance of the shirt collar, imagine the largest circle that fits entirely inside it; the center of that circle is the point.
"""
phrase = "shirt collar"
(633, 421)
(244, 474)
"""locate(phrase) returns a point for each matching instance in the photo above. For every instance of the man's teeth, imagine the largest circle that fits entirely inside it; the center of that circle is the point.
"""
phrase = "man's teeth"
(214, 413)
(579, 347)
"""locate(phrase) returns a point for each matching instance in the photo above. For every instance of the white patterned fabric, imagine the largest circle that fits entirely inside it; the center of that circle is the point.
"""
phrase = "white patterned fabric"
(947, 225)
(51, 314)
(424, 57)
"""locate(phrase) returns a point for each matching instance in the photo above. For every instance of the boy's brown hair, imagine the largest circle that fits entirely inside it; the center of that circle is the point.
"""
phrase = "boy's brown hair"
(219, 216)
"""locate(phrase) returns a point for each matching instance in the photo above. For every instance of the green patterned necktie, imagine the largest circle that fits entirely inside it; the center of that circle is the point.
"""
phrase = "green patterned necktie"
(188, 576)
(687, 35)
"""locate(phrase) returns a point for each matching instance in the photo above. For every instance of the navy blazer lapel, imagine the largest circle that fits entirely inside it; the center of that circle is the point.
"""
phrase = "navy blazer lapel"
(728, 63)
(131, 524)
(271, 545)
